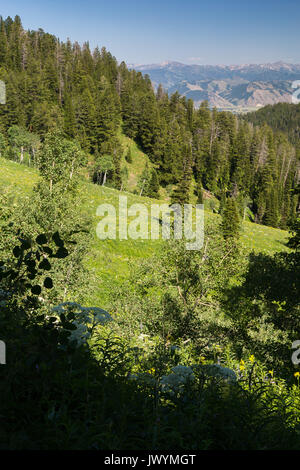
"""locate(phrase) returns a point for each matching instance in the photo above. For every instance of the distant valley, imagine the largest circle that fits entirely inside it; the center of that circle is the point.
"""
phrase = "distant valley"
(239, 88)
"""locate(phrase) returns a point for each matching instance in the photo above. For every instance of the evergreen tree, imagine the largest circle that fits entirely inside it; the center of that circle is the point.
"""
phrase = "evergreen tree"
(294, 240)
(144, 181)
(3, 145)
(69, 118)
(3, 43)
(181, 194)
(153, 189)
(231, 224)
(199, 193)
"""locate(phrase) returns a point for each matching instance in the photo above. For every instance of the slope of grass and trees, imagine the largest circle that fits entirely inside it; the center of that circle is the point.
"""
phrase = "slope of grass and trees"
(95, 101)
(140, 344)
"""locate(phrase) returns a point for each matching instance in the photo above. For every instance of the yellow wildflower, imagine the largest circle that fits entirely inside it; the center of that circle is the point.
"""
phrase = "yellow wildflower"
(251, 358)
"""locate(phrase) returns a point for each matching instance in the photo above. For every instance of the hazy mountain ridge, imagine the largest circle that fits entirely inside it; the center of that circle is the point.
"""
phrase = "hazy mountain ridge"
(238, 87)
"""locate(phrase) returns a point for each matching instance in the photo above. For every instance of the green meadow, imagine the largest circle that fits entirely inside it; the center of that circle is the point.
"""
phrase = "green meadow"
(109, 260)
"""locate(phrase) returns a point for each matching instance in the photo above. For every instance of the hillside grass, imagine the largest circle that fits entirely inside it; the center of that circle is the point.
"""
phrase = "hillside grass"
(109, 260)
(19, 177)
(139, 161)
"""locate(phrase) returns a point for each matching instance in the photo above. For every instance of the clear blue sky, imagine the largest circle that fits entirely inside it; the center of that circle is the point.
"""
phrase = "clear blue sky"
(189, 31)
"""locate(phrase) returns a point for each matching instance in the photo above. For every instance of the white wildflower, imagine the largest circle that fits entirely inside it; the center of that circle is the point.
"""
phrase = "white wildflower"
(175, 382)
(86, 319)
(216, 370)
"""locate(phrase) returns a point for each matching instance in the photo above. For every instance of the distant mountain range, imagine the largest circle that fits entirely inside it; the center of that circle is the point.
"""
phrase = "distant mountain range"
(238, 88)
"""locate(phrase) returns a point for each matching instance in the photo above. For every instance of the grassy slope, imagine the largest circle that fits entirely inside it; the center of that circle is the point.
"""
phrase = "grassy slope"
(110, 259)
(139, 160)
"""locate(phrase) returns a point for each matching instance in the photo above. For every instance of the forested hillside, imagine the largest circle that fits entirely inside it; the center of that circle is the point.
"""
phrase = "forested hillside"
(282, 117)
(89, 97)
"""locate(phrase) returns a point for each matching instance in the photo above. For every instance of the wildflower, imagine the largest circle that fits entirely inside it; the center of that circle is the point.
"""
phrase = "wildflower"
(86, 319)
(216, 370)
(143, 337)
(242, 365)
(175, 381)
(183, 371)
(297, 375)
(251, 358)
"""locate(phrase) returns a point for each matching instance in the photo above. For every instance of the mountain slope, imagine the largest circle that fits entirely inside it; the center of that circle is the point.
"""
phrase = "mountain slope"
(236, 87)
(109, 260)
(87, 97)
(281, 117)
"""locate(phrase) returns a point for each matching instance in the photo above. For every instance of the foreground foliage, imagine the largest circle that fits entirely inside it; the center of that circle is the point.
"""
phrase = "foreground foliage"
(71, 382)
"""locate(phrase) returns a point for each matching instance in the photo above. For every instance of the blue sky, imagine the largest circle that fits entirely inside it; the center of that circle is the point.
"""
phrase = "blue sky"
(190, 31)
